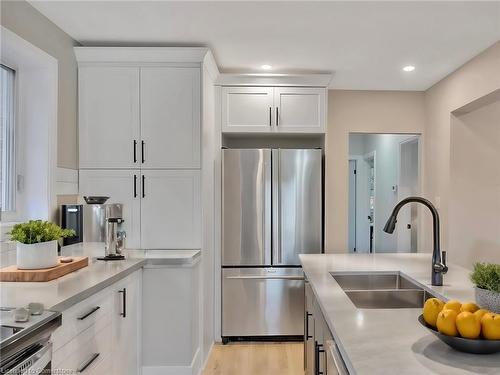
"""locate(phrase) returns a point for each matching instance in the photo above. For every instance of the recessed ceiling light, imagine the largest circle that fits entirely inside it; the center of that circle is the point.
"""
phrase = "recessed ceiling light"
(409, 68)
(266, 67)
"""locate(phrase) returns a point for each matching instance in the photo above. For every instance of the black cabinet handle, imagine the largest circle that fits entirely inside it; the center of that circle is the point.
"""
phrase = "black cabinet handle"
(89, 362)
(277, 117)
(307, 326)
(89, 313)
(135, 151)
(135, 186)
(142, 152)
(270, 116)
(318, 349)
(123, 292)
(143, 191)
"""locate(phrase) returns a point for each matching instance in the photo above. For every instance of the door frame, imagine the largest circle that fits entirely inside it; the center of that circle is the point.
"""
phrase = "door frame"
(418, 139)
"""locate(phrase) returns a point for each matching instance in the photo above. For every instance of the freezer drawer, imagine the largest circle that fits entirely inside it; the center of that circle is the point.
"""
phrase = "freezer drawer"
(246, 207)
(262, 302)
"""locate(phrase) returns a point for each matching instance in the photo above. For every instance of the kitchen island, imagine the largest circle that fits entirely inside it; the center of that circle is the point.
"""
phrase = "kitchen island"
(390, 341)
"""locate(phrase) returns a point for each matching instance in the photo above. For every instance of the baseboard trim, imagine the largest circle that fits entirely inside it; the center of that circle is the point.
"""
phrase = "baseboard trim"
(205, 361)
(193, 369)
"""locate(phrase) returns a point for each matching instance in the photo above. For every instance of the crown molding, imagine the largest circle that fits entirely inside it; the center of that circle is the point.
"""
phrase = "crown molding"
(304, 80)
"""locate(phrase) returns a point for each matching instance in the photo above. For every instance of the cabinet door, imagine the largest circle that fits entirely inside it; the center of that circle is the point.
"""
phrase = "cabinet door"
(170, 117)
(300, 109)
(122, 186)
(170, 209)
(108, 116)
(247, 109)
(126, 297)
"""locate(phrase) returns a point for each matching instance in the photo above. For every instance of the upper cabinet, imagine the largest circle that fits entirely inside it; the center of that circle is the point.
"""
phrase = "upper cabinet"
(108, 117)
(139, 117)
(300, 109)
(273, 109)
(247, 109)
(170, 117)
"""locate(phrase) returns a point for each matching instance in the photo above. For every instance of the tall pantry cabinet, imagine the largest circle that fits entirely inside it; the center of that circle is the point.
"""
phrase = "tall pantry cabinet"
(139, 139)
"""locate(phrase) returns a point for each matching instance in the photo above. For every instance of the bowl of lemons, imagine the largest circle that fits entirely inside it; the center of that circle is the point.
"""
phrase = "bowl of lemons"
(464, 327)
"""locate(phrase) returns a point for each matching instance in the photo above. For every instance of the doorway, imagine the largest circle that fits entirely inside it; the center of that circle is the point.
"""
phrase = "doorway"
(383, 169)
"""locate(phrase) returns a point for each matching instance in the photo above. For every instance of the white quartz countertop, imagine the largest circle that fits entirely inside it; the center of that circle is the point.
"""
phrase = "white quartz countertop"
(391, 341)
(60, 294)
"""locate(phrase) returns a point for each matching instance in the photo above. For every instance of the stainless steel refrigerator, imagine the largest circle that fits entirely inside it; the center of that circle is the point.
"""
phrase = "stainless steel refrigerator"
(271, 213)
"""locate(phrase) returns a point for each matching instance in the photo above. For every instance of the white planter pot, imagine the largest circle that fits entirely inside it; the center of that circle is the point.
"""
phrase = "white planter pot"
(37, 255)
(488, 299)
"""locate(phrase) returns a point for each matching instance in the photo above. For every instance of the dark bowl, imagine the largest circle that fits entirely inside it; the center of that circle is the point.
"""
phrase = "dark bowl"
(96, 200)
(477, 346)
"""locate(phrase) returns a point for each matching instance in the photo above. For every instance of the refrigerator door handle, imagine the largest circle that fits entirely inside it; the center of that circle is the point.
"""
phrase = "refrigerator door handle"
(265, 277)
(276, 221)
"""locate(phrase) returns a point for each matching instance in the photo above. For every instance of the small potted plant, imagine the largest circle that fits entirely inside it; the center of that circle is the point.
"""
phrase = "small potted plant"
(486, 278)
(37, 243)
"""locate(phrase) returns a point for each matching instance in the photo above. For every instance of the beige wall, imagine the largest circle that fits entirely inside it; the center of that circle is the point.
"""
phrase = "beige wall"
(24, 20)
(474, 80)
(429, 113)
(474, 225)
(360, 111)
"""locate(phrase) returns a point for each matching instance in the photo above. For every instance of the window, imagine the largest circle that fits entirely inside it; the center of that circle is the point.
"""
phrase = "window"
(7, 138)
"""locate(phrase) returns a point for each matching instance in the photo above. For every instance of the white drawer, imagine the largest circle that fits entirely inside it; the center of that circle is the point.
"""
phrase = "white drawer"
(95, 310)
(85, 353)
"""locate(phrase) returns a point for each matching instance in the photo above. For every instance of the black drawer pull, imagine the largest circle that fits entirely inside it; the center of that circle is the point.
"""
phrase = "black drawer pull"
(89, 313)
(89, 362)
(124, 302)
(135, 151)
(270, 117)
(143, 190)
(307, 326)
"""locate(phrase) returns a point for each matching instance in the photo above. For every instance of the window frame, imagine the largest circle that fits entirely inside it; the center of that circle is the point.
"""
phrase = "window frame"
(13, 214)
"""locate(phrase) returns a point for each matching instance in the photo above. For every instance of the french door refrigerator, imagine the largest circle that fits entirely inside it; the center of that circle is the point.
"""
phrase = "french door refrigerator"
(271, 213)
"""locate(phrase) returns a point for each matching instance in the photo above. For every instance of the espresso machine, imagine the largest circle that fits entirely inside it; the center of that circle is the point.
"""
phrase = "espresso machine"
(114, 237)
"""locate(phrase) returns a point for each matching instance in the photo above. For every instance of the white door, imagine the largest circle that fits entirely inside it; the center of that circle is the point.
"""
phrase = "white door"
(125, 322)
(122, 186)
(170, 209)
(247, 109)
(170, 117)
(108, 117)
(300, 109)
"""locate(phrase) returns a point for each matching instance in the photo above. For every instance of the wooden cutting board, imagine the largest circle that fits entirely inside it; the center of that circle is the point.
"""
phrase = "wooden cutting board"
(12, 273)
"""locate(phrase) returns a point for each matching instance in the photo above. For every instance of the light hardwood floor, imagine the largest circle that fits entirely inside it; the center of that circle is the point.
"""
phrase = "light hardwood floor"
(256, 359)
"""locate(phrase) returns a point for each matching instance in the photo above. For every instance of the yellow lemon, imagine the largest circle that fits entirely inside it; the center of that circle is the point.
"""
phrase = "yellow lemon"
(453, 305)
(480, 313)
(470, 307)
(446, 322)
(432, 308)
(490, 324)
(468, 326)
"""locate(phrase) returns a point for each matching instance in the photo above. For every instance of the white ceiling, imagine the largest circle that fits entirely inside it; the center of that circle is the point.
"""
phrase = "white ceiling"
(365, 44)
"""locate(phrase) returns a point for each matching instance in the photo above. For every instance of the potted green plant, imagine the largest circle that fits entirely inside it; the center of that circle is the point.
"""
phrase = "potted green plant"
(486, 278)
(37, 243)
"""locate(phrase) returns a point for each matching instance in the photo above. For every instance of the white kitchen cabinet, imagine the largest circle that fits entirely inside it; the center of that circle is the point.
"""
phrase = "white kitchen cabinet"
(170, 209)
(309, 346)
(300, 109)
(122, 186)
(170, 117)
(247, 109)
(108, 116)
(125, 325)
(171, 319)
(273, 109)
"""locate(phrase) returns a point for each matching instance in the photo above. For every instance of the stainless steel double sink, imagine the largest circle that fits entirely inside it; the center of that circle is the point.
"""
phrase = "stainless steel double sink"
(381, 290)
